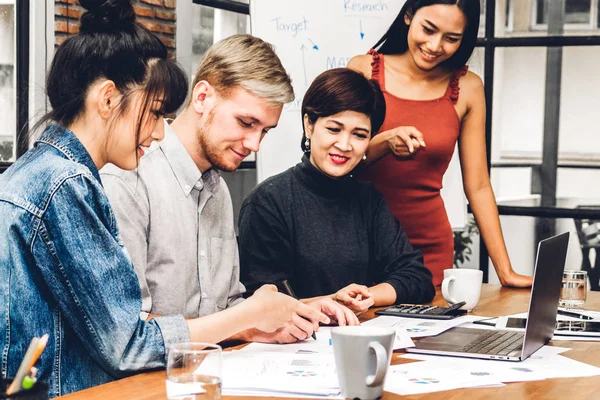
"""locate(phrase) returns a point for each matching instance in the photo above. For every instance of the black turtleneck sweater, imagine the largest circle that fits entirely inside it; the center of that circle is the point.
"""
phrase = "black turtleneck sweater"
(322, 234)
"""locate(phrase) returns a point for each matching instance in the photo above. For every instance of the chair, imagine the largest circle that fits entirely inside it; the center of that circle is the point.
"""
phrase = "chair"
(588, 232)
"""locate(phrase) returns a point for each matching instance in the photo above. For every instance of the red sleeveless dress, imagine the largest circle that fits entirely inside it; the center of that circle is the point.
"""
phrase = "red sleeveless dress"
(412, 186)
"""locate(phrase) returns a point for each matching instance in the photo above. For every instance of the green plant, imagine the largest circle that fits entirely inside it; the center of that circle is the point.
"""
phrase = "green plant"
(463, 241)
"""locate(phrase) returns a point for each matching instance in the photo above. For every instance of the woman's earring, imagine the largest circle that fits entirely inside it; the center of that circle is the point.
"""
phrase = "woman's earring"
(364, 156)
(307, 145)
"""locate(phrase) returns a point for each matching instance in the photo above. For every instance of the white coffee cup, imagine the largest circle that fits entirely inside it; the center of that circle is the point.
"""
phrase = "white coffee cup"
(462, 285)
(362, 356)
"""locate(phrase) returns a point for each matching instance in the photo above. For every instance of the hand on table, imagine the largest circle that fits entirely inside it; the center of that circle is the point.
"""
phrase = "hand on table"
(512, 279)
(356, 297)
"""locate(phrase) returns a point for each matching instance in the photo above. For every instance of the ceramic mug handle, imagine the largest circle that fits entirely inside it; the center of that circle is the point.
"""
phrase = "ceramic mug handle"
(381, 365)
(446, 289)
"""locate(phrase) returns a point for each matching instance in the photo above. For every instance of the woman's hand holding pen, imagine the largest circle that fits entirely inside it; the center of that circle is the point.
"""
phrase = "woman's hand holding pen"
(404, 141)
(276, 309)
(356, 297)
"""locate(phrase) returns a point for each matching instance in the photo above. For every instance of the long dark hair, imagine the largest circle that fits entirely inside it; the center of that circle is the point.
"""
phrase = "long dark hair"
(395, 40)
(342, 89)
(111, 45)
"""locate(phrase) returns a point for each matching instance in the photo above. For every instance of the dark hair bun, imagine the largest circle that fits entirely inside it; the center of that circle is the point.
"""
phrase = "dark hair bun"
(106, 15)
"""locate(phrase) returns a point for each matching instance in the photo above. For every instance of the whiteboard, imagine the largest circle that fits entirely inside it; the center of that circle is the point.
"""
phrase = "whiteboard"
(311, 36)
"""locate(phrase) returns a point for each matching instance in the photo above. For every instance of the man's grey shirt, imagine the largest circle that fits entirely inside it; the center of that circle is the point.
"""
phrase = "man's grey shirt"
(178, 227)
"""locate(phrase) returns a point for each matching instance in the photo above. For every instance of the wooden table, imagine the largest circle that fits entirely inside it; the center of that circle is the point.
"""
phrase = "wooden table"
(495, 300)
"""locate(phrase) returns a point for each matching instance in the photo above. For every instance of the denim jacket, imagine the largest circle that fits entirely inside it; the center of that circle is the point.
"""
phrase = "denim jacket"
(64, 271)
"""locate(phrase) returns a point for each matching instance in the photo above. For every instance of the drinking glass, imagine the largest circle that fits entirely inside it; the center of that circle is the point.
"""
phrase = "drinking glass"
(573, 289)
(194, 371)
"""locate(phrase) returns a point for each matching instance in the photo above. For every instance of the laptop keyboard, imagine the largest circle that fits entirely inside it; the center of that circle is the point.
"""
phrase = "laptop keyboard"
(495, 342)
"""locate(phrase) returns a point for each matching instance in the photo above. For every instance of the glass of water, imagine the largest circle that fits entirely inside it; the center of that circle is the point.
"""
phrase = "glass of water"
(194, 371)
(573, 289)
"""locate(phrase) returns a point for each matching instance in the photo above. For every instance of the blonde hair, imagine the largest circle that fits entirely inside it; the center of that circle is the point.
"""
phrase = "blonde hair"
(248, 62)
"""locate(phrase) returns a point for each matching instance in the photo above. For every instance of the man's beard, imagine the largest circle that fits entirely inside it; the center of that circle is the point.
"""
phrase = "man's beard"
(211, 154)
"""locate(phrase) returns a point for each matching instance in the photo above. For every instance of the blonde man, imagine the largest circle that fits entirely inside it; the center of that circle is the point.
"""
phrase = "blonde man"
(175, 214)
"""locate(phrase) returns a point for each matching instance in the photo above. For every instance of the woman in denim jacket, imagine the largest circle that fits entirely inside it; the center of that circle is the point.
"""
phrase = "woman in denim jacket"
(63, 268)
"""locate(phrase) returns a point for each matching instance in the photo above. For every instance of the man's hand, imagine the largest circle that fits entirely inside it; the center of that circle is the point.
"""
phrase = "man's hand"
(275, 309)
(337, 312)
(288, 333)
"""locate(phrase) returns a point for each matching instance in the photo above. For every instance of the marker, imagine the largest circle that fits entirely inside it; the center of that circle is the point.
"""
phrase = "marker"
(290, 292)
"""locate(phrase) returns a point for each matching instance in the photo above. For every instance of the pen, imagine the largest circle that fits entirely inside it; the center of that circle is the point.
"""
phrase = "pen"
(290, 292)
(574, 315)
(483, 321)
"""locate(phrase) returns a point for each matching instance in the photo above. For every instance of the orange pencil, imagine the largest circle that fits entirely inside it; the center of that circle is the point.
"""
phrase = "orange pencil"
(35, 349)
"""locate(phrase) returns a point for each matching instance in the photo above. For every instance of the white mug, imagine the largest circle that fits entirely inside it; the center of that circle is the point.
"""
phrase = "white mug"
(462, 285)
(362, 356)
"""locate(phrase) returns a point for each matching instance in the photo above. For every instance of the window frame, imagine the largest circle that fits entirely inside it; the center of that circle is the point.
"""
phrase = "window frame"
(490, 42)
(21, 79)
(34, 36)
(571, 27)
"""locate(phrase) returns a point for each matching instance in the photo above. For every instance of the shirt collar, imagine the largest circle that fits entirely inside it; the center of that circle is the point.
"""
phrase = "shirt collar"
(185, 169)
(65, 141)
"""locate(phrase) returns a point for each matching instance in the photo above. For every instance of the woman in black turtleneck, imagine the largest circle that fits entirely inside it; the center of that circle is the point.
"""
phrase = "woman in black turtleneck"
(318, 227)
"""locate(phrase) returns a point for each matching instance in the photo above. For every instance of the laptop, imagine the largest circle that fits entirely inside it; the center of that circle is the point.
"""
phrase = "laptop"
(511, 345)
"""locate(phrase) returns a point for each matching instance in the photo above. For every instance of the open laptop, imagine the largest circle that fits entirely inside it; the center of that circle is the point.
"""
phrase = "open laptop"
(511, 345)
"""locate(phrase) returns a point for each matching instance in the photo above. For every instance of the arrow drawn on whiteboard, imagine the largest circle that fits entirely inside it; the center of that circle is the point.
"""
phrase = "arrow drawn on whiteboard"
(303, 50)
(362, 35)
(314, 45)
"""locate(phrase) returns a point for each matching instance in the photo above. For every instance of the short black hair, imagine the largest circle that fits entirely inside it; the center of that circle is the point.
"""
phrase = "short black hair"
(342, 89)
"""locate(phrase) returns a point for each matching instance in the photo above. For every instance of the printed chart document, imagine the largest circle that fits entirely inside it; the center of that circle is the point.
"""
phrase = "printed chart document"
(420, 327)
(304, 374)
(545, 363)
(423, 377)
(322, 345)
(302, 369)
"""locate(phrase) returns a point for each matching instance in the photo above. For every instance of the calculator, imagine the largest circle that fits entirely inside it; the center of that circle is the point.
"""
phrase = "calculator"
(423, 311)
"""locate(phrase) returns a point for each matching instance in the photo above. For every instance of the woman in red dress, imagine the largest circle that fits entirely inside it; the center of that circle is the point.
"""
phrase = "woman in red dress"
(432, 102)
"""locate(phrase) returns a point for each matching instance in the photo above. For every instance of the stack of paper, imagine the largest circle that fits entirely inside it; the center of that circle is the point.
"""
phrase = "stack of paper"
(307, 368)
(435, 373)
(291, 373)
(302, 369)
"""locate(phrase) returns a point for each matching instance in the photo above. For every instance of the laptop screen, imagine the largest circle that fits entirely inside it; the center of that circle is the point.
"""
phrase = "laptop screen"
(547, 277)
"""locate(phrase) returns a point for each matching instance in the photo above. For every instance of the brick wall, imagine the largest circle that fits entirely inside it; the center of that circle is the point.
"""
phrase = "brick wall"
(156, 15)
